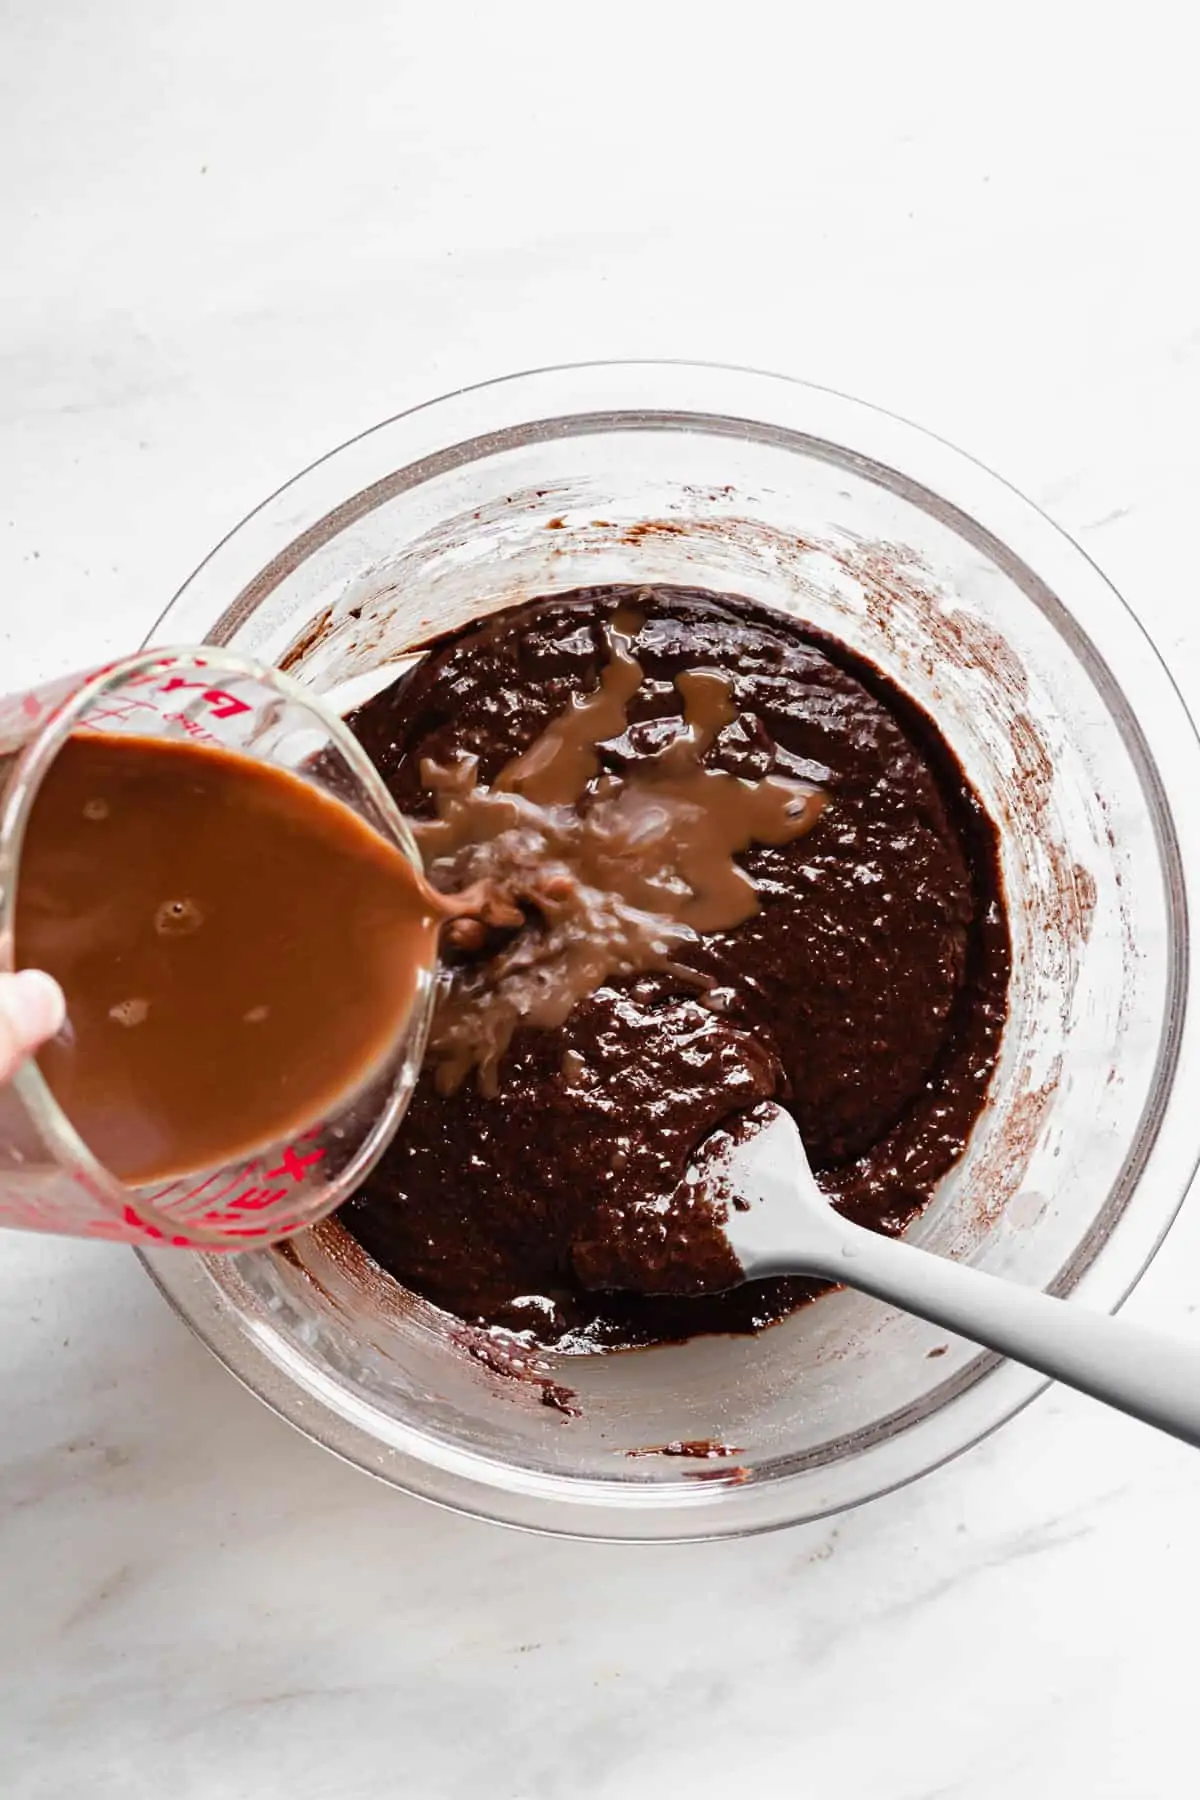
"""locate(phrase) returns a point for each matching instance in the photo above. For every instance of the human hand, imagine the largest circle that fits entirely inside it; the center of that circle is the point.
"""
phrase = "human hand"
(32, 1008)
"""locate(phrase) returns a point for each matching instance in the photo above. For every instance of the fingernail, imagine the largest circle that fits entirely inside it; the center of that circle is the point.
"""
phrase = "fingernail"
(34, 1005)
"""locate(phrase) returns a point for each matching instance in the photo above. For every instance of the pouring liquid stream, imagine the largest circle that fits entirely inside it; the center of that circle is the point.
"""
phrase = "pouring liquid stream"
(609, 871)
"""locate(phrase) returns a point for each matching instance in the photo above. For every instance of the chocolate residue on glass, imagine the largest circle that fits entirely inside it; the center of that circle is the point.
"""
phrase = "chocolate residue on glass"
(704, 1449)
(512, 1359)
(866, 992)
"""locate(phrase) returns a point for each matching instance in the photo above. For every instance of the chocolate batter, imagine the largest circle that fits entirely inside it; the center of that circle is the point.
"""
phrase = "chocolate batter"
(866, 993)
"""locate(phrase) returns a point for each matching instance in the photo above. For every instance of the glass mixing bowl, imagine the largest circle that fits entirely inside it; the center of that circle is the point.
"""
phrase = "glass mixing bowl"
(1074, 736)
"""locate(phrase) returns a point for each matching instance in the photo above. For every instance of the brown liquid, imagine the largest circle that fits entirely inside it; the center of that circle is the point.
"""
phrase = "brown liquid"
(558, 765)
(238, 950)
(610, 874)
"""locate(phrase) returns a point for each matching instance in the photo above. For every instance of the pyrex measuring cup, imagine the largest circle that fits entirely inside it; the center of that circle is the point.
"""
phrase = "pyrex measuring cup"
(49, 1179)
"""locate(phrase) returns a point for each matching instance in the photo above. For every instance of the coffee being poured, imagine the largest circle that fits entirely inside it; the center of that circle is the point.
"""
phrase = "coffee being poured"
(589, 875)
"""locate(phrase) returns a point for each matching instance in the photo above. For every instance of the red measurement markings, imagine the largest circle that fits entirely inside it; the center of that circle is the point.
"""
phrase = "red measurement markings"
(114, 710)
(291, 1171)
(194, 729)
(181, 1205)
(220, 703)
(294, 1164)
(234, 1217)
(134, 1219)
(223, 705)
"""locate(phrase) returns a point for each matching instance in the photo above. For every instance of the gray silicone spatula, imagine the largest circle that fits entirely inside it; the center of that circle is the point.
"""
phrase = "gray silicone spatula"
(789, 1228)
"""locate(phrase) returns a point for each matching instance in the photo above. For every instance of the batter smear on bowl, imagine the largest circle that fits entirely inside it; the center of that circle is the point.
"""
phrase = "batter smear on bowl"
(725, 861)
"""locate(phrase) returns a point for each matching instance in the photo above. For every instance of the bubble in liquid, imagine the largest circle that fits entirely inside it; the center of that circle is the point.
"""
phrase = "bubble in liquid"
(256, 1015)
(175, 918)
(130, 1012)
(95, 809)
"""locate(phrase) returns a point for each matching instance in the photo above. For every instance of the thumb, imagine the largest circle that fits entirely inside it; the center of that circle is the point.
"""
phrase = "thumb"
(32, 1008)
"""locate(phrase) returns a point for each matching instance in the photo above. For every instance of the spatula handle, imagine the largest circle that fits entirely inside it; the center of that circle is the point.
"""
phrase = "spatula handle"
(1149, 1374)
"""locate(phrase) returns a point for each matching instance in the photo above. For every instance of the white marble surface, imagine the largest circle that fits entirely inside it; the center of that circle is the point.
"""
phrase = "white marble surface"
(234, 234)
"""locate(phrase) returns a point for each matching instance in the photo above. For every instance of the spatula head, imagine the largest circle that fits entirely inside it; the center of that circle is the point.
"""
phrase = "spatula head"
(748, 1208)
(775, 1216)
